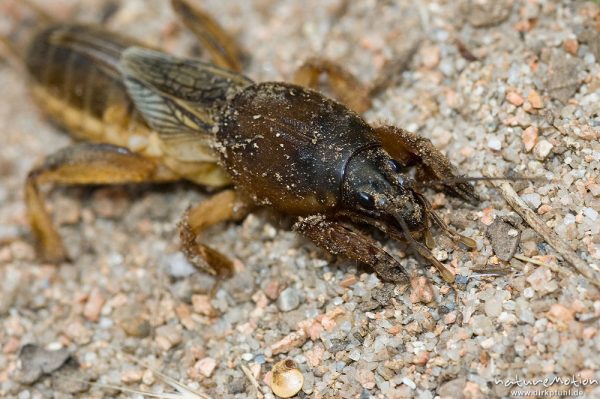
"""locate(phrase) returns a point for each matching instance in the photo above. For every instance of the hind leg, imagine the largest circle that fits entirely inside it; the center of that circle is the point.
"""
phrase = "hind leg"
(82, 164)
(221, 47)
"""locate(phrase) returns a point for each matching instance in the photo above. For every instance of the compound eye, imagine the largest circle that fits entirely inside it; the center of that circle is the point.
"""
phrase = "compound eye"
(395, 166)
(366, 200)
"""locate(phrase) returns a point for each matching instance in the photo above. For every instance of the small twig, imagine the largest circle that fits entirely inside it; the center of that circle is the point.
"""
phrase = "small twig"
(184, 390)
(480, 275)
(423, 15)
(561, 247)
(552, 267)
(491, 271)
(590, 320)
(123, 389)
(248, 373)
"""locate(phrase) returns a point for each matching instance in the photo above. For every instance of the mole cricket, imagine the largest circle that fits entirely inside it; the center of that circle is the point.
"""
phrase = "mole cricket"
(141, 115)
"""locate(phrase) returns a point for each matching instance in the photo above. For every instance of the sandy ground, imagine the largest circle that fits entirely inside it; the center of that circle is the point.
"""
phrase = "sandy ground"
(512, 85)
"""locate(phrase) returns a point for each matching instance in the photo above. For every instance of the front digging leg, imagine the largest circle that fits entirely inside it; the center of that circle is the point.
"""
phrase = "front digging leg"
(419, 249)
(342, 239)
(414, 150)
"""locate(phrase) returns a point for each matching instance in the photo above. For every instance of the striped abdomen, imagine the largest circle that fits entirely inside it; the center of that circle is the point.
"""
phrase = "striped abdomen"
(76, 81)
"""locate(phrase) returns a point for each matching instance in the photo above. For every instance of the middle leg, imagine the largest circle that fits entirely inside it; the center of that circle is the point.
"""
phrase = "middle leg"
(227, 205)
(345, 86)
(348, 88)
